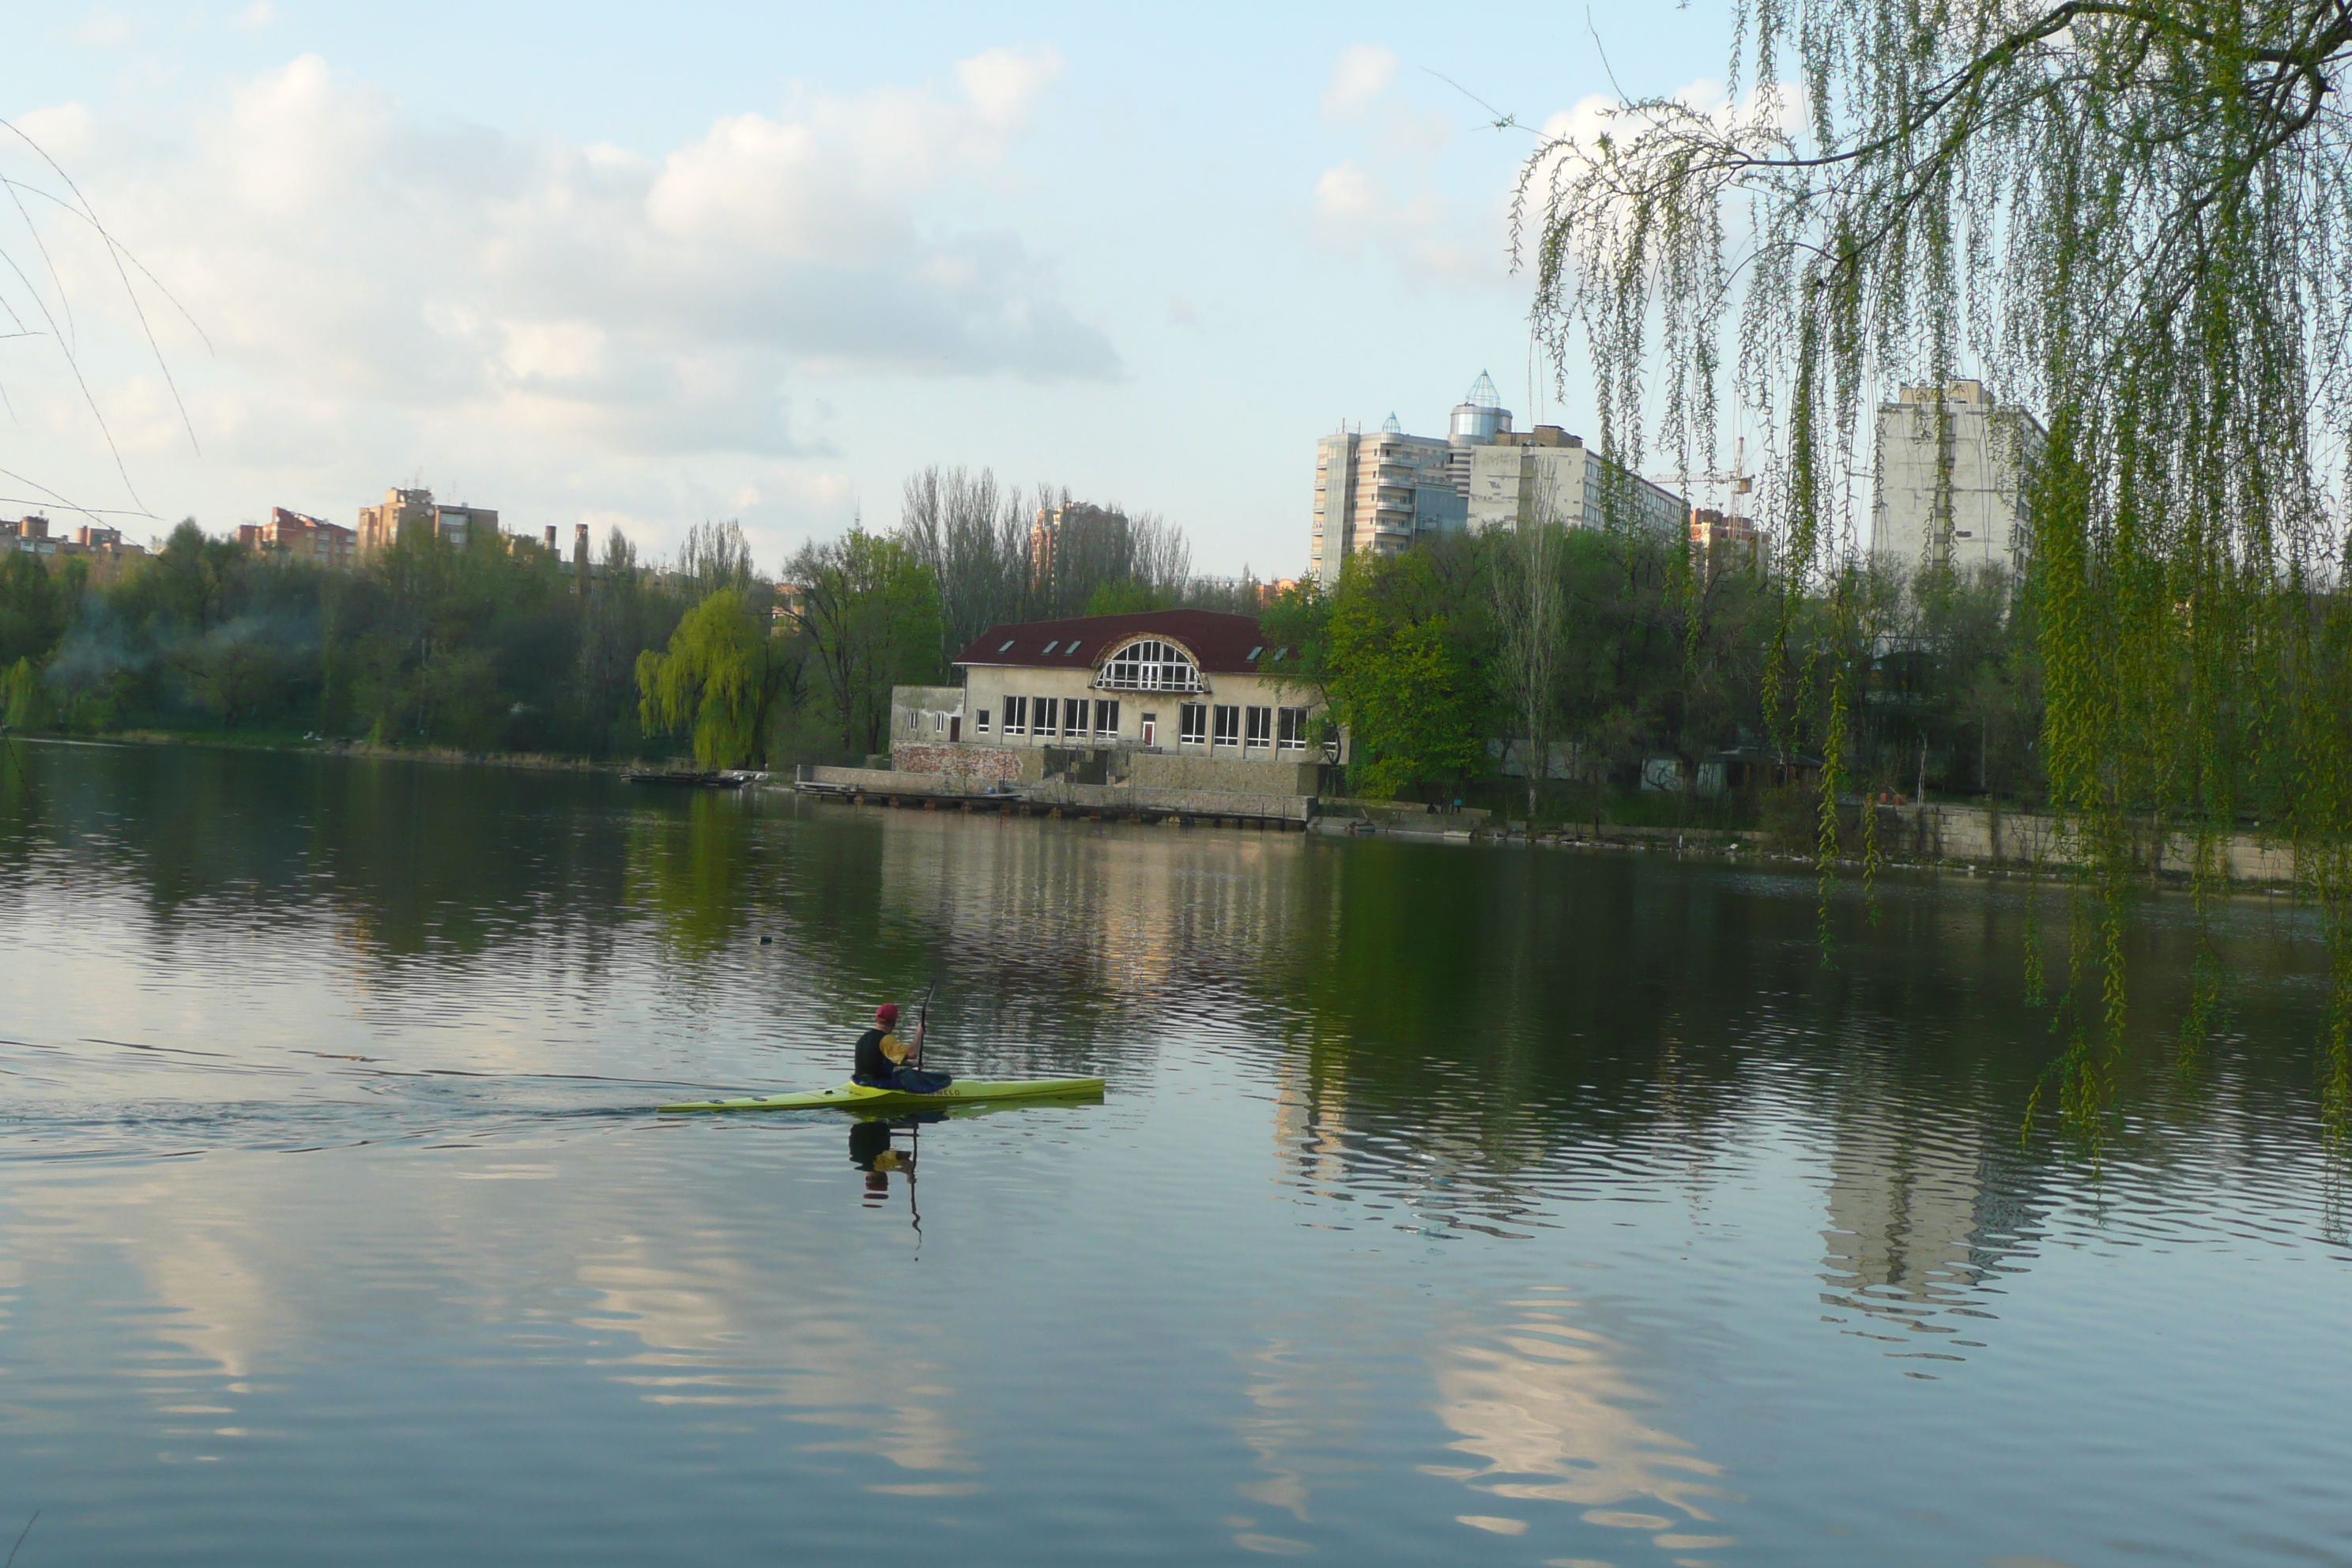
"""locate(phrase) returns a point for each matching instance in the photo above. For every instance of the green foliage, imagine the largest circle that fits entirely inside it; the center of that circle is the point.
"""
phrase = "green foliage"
(24, 698)
(871, 613)
(2130, 217)
(1398, 676)
(1127, 597)
(719, 678)
(34, 607)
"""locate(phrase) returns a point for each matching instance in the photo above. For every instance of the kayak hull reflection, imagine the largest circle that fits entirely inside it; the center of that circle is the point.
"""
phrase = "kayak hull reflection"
(858, 1097)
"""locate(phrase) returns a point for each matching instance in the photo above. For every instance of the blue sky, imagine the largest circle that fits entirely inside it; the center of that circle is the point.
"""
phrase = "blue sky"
(647, 266)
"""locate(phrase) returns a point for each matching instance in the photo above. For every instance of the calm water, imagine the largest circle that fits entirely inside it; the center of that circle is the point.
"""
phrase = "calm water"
(1445, 1206)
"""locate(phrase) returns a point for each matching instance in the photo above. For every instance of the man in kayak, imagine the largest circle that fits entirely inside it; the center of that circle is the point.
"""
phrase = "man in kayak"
(880, 1061)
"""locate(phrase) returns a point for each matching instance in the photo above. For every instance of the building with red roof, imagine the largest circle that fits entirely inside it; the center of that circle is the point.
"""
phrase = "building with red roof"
(1197, 700)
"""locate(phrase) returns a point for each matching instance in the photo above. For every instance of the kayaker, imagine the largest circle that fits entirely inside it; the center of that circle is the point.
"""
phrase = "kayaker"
(880, 1060)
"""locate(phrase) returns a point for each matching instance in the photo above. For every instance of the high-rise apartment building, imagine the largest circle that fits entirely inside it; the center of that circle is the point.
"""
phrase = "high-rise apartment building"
(403, 510)
(1548, 475)
(1952, 469)
(1377, 494)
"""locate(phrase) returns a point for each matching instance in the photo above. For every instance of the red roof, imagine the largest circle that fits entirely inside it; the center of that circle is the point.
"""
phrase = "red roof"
(1221, 644)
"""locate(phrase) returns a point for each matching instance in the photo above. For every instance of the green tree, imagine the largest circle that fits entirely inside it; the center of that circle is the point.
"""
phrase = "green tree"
(1395, 675)
(719, 678)
(25, 698)
(35, 607)
(870, 611)
(2131, 217)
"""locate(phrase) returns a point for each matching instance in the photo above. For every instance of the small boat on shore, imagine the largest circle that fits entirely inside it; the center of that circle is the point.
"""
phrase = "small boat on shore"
(675, 780)
(858, 1097)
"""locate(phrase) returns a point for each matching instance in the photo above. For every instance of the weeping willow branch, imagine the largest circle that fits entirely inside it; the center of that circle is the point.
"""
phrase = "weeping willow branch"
(2130, 216)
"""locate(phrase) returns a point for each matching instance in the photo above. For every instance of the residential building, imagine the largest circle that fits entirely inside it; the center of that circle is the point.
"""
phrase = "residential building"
(32, 536)
(404, 511)
(1522, 475)
(1952, 465)
(303, 538)
(1047, 535)
(1725, 541)
(1378, 494)
(1175, 698)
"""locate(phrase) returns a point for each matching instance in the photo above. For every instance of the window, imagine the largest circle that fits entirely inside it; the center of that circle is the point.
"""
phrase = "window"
(1193, 724)
(1016, 716)
(1074, 717)
(1049, 647)
(1048, 710)
(1229, 725)
(1006, 648)
(1149, 665)
(1261, 727)
(939, 722)
(979, 722)
(1255, 651)
(1292, 728)
(1105, 720)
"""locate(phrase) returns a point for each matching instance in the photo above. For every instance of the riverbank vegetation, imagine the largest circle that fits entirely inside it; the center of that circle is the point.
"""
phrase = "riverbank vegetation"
(2131, 218)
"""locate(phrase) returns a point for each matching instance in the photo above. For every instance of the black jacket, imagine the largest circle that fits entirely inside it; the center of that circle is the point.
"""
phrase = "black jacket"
(870, 1066)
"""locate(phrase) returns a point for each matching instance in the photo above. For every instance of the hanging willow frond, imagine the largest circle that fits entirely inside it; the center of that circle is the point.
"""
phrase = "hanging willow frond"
(2130, 216)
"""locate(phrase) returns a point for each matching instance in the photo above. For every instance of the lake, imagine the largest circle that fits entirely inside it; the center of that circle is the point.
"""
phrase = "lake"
(1461, 1204)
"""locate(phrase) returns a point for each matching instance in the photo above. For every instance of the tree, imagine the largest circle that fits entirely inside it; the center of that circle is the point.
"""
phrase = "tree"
(719, 678)
(972, 535)
(2130, 216)
(871, 613)
(1396, 679)
(1524, 573)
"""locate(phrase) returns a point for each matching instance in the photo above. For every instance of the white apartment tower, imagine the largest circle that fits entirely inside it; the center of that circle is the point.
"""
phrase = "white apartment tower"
(1548, 475)
(1377, 494)
(1952, 469)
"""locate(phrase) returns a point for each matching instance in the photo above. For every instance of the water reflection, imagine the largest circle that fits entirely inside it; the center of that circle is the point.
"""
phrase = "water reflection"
(1363, 1096)
(1554, 1414)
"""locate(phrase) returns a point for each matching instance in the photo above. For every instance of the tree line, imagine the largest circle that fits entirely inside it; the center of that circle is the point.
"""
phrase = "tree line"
(496, 643)
(1576, 663)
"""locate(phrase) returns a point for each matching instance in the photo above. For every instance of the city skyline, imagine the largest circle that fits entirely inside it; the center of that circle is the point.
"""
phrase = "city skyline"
(624, 275)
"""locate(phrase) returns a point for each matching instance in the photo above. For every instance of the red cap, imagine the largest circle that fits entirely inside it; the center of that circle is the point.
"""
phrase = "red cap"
(886, 1014)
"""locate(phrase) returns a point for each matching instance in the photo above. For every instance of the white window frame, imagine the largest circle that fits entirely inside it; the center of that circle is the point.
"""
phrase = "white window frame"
(1258, 728)
(980, 721)
(1074, 719)
(1192, 725)
(1106, 718)
(1290, 729)
(1225, 725)
(1148, 664)
(1016, 715)
(1045, 717)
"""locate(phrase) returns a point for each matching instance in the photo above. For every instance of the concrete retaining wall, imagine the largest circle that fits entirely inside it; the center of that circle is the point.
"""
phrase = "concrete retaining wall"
(1125, 798)
(1168, 770)
(1978, 834)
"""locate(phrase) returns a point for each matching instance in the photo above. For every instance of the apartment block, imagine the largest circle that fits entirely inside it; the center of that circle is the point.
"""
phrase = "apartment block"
(1952, 467)
(404, 511)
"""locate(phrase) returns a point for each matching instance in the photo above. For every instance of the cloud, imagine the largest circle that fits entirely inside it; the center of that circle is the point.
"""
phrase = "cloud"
(102, 28)
(353, 262)
(254, 17)
(1363, 73)
(1355, 213)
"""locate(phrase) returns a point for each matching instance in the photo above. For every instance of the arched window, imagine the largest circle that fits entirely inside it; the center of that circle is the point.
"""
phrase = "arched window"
(1149, 665)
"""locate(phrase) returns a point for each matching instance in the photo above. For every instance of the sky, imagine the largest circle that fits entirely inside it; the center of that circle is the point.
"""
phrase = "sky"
(647, 266)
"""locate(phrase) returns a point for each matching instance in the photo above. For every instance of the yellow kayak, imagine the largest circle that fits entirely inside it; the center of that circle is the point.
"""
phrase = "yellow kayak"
(858, 1097)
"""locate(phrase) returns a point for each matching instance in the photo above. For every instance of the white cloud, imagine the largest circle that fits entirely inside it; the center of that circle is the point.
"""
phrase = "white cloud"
(102, 28)
(375, 283)
(1355, 213)
(1364, 72)
(254, 17)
